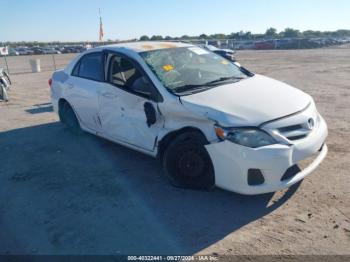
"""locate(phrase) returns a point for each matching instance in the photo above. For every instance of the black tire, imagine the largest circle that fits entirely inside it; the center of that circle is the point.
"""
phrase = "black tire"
(7, 78)
(3, 93)
(187, 163)
(69, 119)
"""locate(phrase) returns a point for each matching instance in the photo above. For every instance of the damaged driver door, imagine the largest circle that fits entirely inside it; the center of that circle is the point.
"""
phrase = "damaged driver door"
(128, 111)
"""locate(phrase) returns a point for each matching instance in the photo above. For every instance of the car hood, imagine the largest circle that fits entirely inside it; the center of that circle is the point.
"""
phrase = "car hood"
(249, 102)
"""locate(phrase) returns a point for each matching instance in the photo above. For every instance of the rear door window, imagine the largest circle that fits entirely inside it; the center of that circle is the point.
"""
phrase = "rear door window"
(91, 67)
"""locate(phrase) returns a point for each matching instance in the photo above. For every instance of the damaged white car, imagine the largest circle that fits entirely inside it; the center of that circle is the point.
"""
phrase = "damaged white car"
(211, 122)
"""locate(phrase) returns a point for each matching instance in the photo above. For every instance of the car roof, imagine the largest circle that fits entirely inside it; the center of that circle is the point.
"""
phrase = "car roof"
(143, 46)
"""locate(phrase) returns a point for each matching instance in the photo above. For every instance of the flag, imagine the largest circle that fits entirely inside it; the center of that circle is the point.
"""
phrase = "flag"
(4, 50)
(101, 29)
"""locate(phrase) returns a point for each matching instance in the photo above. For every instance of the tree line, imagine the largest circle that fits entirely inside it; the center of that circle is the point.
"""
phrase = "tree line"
(271, 33)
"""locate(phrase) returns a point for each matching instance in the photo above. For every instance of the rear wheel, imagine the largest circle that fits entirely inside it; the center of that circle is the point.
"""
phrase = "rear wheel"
(69, 119)
(188, 164)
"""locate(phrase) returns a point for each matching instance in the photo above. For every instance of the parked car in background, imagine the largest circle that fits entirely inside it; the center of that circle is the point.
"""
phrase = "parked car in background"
(264, 45)
(24, 51)
(80, 49)
(286, 44)
(226, 53)
(66, 50)
(242, 45)
(215, 43)
(37, 50)
(207, 120)
(60, 49)
(72, 49)
(50, 50)
(13, 52)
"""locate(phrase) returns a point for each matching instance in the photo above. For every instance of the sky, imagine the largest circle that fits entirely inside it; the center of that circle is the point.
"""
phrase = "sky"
(78, 20)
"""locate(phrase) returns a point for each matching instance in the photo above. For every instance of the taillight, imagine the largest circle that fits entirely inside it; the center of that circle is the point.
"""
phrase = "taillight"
(50, 82)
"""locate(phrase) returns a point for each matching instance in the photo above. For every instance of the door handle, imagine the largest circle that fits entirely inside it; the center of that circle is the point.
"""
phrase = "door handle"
(109, 95)
(70, 86)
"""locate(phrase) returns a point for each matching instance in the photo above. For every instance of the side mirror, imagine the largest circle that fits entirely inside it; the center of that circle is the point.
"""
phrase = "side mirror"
(151, 114)
(143, 86)
(246, 71)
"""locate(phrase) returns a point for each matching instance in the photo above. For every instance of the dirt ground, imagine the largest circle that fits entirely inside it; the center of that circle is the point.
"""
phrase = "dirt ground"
(63, 194)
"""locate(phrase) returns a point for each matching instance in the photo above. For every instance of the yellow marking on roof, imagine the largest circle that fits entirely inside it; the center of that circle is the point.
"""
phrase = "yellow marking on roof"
(148, 47)
(167, 45)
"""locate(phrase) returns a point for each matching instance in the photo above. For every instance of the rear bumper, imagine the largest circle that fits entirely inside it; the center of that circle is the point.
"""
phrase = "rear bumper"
(232, 162)
(54, 102)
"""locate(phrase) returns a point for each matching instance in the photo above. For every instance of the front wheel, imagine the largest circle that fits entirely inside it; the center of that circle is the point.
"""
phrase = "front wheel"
(188, 164)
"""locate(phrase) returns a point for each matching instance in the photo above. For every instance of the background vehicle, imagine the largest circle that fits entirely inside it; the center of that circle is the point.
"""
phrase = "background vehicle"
(13, 52)
(24, 51)
(263, 45)
(286, 44)
(226, 53)
(60, 49)
(50, 50)
(37, 50)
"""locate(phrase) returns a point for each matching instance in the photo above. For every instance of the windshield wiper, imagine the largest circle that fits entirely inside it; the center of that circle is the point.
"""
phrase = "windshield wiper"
(222, 79)
(188, 88)
(193, 87)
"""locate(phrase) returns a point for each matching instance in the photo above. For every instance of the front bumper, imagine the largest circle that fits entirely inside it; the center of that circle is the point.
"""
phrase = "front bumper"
(232, 162)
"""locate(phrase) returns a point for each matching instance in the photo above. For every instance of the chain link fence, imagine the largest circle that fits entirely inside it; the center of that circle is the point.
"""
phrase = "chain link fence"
(50, 62)
(22, 64)
(272, 44)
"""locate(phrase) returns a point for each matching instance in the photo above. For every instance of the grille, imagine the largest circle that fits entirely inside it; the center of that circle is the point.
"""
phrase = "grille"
(295, 132)
(290, 128)
(296, 126)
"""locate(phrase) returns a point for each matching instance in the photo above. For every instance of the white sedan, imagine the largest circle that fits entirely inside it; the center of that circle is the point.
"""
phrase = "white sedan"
(209, 121)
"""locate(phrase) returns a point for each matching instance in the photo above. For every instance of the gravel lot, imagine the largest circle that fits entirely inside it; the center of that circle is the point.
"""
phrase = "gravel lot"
(63, 194)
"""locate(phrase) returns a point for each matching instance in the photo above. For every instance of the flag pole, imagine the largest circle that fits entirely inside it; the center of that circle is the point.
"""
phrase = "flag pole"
(99, 32)
(7, 66)
(101, 26)
(5, 53)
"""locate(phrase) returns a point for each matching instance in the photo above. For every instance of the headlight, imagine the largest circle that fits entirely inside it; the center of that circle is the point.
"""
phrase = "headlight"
(245, 136)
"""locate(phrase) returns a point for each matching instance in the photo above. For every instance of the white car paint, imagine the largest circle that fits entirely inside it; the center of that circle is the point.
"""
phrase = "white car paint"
(273, 160)
(85, 95)
(258, 101)
(132, 117)
(238, 104)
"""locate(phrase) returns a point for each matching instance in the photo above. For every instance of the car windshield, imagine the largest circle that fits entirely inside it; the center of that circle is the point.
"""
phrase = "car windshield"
(189, 68)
